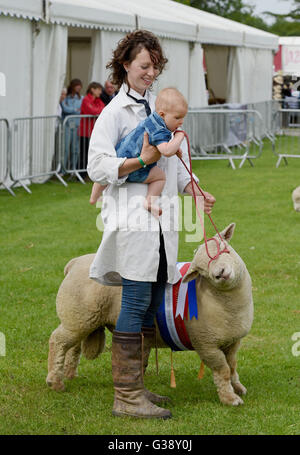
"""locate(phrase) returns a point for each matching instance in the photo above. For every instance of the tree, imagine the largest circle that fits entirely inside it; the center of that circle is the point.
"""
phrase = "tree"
(219, 7)
(286, 24)
(294, 14)
(237, 10)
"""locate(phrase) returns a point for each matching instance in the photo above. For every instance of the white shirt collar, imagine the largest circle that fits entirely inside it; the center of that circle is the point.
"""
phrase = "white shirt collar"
(137, 95)
(127, 101)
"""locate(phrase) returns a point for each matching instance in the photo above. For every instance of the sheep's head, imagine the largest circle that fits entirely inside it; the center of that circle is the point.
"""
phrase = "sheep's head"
(296, 199)
(226, 271)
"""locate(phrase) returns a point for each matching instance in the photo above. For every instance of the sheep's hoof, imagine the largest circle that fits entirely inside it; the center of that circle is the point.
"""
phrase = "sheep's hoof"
(70, 373)
(239, 388)
(58, 386)
(237, 401)
(232, 400)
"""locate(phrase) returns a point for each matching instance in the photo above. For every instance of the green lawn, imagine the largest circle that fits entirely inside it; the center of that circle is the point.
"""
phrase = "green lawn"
(42, 231)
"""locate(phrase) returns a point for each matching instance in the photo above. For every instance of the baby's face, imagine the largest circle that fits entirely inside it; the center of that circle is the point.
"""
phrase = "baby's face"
(174, 119)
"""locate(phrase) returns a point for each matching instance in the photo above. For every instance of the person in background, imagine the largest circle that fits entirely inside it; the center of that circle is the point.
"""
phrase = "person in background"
(71, 106)
(56, 157)
(108, 93)
(286, 90)
(91, 105)
(61, 99)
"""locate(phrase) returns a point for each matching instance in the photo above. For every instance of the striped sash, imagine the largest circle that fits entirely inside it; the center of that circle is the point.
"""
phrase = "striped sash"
(179, 300)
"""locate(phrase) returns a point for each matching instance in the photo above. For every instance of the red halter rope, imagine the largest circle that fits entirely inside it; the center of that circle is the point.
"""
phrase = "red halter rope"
(225, 250)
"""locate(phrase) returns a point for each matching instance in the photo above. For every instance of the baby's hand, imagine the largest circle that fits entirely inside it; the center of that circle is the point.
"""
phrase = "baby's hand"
(179, 153)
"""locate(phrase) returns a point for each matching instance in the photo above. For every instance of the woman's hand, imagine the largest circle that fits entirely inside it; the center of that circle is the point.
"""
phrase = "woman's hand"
(179, 153)
(208, 202)
(149, 153)
(209, 199)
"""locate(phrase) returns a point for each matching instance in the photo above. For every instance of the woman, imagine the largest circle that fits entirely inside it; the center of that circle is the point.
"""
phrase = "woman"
(71, 106)
(91, 105)
(122, 258)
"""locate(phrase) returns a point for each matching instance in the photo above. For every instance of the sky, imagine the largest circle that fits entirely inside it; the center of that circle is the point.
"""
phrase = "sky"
(276, 6)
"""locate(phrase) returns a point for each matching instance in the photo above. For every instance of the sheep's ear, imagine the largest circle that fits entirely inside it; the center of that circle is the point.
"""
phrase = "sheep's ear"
(191, 274)
(227, 233)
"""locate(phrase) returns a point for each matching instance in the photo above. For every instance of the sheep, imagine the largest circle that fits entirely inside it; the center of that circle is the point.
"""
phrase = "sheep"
(225, 315)
(296, 198)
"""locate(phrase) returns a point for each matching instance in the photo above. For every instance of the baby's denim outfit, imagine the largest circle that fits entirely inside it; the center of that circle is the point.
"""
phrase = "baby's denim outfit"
(131, 145)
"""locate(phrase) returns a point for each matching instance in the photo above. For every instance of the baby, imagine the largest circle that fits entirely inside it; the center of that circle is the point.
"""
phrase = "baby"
(170, 110)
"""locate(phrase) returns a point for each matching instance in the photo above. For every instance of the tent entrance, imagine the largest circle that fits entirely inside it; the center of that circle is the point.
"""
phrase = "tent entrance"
(79, 56)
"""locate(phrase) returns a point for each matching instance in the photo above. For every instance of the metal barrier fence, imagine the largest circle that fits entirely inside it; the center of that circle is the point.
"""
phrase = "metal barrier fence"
(33, 149)
(268, 110)
(76, 130)
(4, 154)
(287, 144)
(36, 150)
(224, 134)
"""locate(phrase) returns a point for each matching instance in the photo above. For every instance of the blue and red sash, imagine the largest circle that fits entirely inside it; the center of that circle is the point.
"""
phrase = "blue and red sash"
(179, 300)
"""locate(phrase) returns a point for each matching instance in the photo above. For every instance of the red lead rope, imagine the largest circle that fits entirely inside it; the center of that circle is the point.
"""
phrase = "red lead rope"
(225, 250)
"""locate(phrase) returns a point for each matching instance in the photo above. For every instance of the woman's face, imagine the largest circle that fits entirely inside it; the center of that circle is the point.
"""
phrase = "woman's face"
(96, 92)
(77, 89)
(141, 72)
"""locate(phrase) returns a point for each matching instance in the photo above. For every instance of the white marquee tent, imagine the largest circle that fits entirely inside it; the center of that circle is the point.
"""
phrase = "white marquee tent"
(289, 55)
(34, 49)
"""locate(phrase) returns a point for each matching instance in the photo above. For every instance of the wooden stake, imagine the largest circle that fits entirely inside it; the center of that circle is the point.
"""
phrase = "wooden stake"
(156, 352)
(173, 382)
(201, 371)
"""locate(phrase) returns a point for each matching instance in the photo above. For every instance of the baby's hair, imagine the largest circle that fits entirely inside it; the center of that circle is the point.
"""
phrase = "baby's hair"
(169, 98)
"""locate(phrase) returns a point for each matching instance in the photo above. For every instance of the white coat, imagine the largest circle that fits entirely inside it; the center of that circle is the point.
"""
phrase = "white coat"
(130, 241)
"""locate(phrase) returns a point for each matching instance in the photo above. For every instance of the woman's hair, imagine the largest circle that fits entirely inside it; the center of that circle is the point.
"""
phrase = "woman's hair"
(72, 85)
(93, 85)
(128, 48)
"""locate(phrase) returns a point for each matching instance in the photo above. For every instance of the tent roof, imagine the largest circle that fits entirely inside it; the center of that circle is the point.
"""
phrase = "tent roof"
(166, 18)
(213, 29)
(90, 13)
(118, 15)
(31, 9)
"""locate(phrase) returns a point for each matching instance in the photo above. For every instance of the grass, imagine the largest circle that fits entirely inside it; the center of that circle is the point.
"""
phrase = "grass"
(42, 231)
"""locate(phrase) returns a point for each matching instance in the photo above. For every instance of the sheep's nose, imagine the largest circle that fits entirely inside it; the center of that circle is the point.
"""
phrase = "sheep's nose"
(220, 274)
(223, 273)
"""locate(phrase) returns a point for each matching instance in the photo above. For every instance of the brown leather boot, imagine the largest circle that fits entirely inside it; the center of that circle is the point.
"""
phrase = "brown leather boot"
(127, 373)
(149, 342)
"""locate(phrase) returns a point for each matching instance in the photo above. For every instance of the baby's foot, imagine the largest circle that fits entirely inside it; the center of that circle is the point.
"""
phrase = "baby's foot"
(153, 208)
(94, 199)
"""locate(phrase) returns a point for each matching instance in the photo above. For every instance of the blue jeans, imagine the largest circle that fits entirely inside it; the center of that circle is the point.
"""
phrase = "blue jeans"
(71, 145)
(141, 299)
(140, 302)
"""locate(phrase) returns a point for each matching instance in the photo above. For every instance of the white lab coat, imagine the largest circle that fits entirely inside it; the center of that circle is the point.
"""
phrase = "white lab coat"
(130, 241)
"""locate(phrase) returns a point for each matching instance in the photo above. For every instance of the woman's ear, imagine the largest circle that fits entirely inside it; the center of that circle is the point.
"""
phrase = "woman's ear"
(126, 66)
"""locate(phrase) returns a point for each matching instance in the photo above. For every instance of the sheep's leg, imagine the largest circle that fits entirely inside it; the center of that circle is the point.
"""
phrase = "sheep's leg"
(72, 361)
(230, 354)
(215, 359)
(60, 342)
